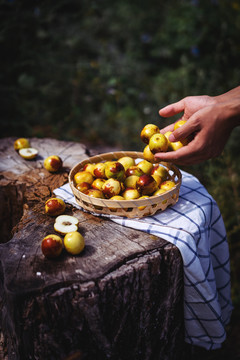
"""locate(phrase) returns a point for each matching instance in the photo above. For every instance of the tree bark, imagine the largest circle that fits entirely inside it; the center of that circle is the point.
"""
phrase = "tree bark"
(122, 298)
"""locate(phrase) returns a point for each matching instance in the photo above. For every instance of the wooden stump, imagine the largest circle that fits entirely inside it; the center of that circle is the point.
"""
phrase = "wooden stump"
(122, 298)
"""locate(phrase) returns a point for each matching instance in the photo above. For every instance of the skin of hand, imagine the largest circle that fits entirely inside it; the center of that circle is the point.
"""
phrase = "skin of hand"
(210, 121)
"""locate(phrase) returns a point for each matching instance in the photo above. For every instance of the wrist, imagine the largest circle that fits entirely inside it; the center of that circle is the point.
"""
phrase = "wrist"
(228, 96)
(230, 111)
(229, 103)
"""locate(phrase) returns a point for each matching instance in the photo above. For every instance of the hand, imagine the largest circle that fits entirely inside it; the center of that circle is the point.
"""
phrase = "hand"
(210, 121)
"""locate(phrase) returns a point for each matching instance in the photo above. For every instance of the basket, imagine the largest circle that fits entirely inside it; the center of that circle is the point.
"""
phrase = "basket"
(126, 208)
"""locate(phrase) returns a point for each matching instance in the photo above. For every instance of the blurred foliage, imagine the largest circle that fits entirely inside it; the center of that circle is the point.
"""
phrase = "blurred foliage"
(98, 71)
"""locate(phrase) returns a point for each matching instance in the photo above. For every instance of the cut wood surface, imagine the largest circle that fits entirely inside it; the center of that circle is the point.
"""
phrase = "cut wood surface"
(122, 298)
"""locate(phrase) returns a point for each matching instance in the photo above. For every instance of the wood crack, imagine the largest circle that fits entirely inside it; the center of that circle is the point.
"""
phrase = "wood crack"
(120, 299)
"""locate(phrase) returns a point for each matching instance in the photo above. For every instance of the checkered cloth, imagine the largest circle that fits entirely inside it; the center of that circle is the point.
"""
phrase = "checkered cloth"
(194, 224)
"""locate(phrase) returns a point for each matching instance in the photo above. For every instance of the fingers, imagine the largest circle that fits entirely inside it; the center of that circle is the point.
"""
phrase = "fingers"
(177, 157)
(187, 155)
(172, 109)
(167, 128)
(185, 131)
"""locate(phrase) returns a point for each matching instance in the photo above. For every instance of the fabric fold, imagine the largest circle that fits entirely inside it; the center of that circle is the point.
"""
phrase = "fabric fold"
(195, 225)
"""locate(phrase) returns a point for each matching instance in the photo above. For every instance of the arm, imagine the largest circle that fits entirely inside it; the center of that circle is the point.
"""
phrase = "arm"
(210, 120)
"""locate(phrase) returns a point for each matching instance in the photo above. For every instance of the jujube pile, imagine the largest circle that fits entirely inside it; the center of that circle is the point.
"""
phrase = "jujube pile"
(123, 179)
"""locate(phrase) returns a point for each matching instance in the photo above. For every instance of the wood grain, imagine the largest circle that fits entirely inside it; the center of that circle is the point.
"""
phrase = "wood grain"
(122, 298)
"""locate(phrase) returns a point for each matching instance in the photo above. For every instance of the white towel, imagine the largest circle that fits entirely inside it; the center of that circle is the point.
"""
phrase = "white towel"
(195, 225)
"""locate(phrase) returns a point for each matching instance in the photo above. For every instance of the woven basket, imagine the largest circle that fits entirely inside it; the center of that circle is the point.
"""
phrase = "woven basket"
(126, 208)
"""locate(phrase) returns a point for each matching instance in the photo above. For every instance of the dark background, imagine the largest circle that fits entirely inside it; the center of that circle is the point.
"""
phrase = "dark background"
(98, 71)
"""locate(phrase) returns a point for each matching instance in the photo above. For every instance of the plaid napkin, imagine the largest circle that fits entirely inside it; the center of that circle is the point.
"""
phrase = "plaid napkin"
(195, 225)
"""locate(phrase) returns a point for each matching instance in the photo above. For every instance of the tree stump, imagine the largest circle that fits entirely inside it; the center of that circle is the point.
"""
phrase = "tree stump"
(122, 298)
